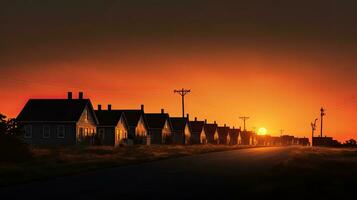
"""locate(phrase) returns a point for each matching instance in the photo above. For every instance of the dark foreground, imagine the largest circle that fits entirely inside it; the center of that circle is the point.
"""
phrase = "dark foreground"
(290, 172)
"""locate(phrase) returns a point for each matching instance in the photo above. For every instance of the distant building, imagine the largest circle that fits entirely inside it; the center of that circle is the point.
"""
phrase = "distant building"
(198, 135)
(264, 140)
(160, 127)
(304, 141)
(58, 121)
(287, 140)
(181, 130)
(211, 131)
(247, 137)
(223, 134)
(325, 142)
(112, 128)
(234, 136)
(138, 132)
(275, 140)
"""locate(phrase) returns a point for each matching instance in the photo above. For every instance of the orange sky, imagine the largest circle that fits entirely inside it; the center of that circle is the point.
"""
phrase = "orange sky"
(277, 62)
(277, 88)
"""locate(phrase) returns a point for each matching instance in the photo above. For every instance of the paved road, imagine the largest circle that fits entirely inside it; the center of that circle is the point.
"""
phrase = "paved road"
(222, 174)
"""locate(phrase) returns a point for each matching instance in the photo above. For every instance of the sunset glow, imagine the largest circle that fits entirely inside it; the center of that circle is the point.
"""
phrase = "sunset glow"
(262, 131)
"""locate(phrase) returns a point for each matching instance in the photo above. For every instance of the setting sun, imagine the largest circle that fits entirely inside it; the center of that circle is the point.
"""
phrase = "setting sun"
(262, 131)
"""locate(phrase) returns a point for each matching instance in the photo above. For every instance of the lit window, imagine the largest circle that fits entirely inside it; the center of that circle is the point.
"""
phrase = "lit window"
(46, 132)
(28, 131)
(60, 132)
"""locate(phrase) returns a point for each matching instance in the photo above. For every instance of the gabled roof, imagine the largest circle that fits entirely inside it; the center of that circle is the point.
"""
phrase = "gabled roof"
(55, 110)
(178, 123)
(197, 126)
(234, 132)
(133, 116)
(223, 130)
(157, 120)
(210, 129)
(109, 117)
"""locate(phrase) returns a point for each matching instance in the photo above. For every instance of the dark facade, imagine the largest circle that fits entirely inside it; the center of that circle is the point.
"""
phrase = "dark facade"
(112, 128)
(211, 131)
(138, 132)
(247, 137)
(58, 121)
(160, 128)
(287, 140)
(198, 135)
(304, 141)
(233, 136)
(181, 131)
(223, 134)
(324, 142)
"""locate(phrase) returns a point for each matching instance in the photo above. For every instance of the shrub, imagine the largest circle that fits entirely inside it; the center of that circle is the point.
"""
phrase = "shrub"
(12, 149)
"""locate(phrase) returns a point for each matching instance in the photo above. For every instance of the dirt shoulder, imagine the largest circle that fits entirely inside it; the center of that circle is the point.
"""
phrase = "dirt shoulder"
(61, 161)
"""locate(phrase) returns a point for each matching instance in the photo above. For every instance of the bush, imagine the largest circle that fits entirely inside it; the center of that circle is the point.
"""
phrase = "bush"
(12, 149)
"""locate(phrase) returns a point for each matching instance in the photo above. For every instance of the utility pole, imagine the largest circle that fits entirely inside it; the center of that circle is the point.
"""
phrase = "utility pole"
(322, 118)
(281, 132)
(313, 127)
(182, 92)
(244, 118)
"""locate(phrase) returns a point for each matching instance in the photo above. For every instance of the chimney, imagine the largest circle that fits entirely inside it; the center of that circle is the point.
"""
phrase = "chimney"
(225, 125)
(69, 95)
(195, 119)
(233, 127)
(187, 116)
(205, 121)
(162, 111)
(142, 107)
(80, 95)
(215, 122)
(109, 106)
(99, 107)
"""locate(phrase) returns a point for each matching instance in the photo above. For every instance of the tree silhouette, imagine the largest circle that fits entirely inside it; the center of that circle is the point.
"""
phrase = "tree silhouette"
(3, 124)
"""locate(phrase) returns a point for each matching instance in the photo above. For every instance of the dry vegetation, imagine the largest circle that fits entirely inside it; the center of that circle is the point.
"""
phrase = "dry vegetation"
(54, 162)
(318, 171)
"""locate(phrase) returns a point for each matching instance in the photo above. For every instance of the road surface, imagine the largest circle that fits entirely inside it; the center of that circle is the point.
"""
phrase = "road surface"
(221, 174)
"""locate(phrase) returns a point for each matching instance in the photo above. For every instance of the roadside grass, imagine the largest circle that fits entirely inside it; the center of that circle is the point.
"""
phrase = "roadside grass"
(50, 162)
(324, 172)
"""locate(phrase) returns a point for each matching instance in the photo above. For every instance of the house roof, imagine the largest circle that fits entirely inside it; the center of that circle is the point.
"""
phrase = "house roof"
(197, 126)
(54, 110)
(178, 123)
(223, 130)
(156, 120)
(234, 132)
(133, 116)
(109, 117)
(210, 129)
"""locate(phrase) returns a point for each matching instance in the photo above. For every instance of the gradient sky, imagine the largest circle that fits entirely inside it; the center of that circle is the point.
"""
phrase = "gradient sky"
(275, 61)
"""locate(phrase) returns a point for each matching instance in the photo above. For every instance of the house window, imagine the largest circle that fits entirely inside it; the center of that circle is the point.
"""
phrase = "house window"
(46, 132)
(60, 132)
(28, 131)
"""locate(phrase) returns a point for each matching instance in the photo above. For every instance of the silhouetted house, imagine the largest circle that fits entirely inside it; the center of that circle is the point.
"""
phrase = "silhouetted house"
(287, 140)
(223, 134)
(58, 121)
(295, 141)
(247, 137)
(138, 132)
(198, 135)
(181, 131)
(211, 131)
(324, 142)
(304, 141)
(275, 141)
(264, 140)
(160, 127)
(112, 128)
(234, 136)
